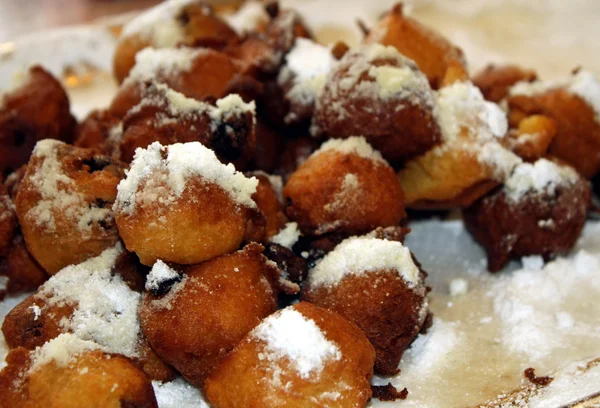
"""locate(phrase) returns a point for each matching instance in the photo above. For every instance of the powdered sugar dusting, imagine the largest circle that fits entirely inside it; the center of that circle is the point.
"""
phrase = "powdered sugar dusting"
(583, 84)
(58, 193)
(183, 162)
(105, 307)
(178, 394)
(357, 145)
(289, 335)
(248, 18)
(160, 273)
(159, 25)
(541, 177)
(358, 255)
(61, 350)
(288, 236)
(167, 62)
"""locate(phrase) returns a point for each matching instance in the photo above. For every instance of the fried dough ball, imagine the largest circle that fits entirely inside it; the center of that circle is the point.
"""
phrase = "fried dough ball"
(269, 146)
(96, 130)
(295, 152)
(433, 53)
(540, 210)
(180, 204)
(64, 204)
(269, 199)
(574, 108)
(375, 284)
(344, 187)
(71, 373)
(302, 77)
(37, 109)
(263, 52)
(495, 81)
(172, 23)
(194, 320)
(198, 73)
(471, 159)
(376, 92)
(22, 271)
(91, 300)
(301, 356)
(167, 116)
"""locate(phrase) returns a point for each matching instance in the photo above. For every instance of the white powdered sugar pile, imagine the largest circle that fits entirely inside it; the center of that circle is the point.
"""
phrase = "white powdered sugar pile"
(159, 25)
(153, 178)
(536, 306)
(357, 145)
(61, 351)
(288, 236)
(105, 308)
(542, 177)
(584, 84)
(359, 255)
(231, 105)
(162, 62)
(178, 394)
(291, 336)
(468, 121)
(160, 273)
(307, 65)
(250, 16)
(59, 194)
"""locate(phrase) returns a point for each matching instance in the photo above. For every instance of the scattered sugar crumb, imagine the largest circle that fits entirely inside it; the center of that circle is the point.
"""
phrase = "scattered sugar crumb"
(358, 255)
(289, 335)
(459, 287)
(288, 236)
(37, 312)
(178, 394)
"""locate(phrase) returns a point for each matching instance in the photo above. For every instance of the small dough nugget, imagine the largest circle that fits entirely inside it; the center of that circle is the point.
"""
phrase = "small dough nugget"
(167, 116)
(376, 284)
(37, 109)
(71, 373)
(344, 187)
(540, 210)
(195, 319)
(441, 61)
(376, 92)
(169, 24)
(180, 204)
(574, 105)
(64, 204)
(301, 356)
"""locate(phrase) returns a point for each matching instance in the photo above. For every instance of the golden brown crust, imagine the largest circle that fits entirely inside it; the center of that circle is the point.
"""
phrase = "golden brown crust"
(268, 202)
(577, 139)
(38, 109)
(433, 53)
(93, 379)
(535, 225)
(494, 81)
(95, 178)
(320, 199)
(532, 139)
(200, 25)
(21, 269)
(203, 223)
(219, 303)
(95, 130)
(382, 305)
(242, 379)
